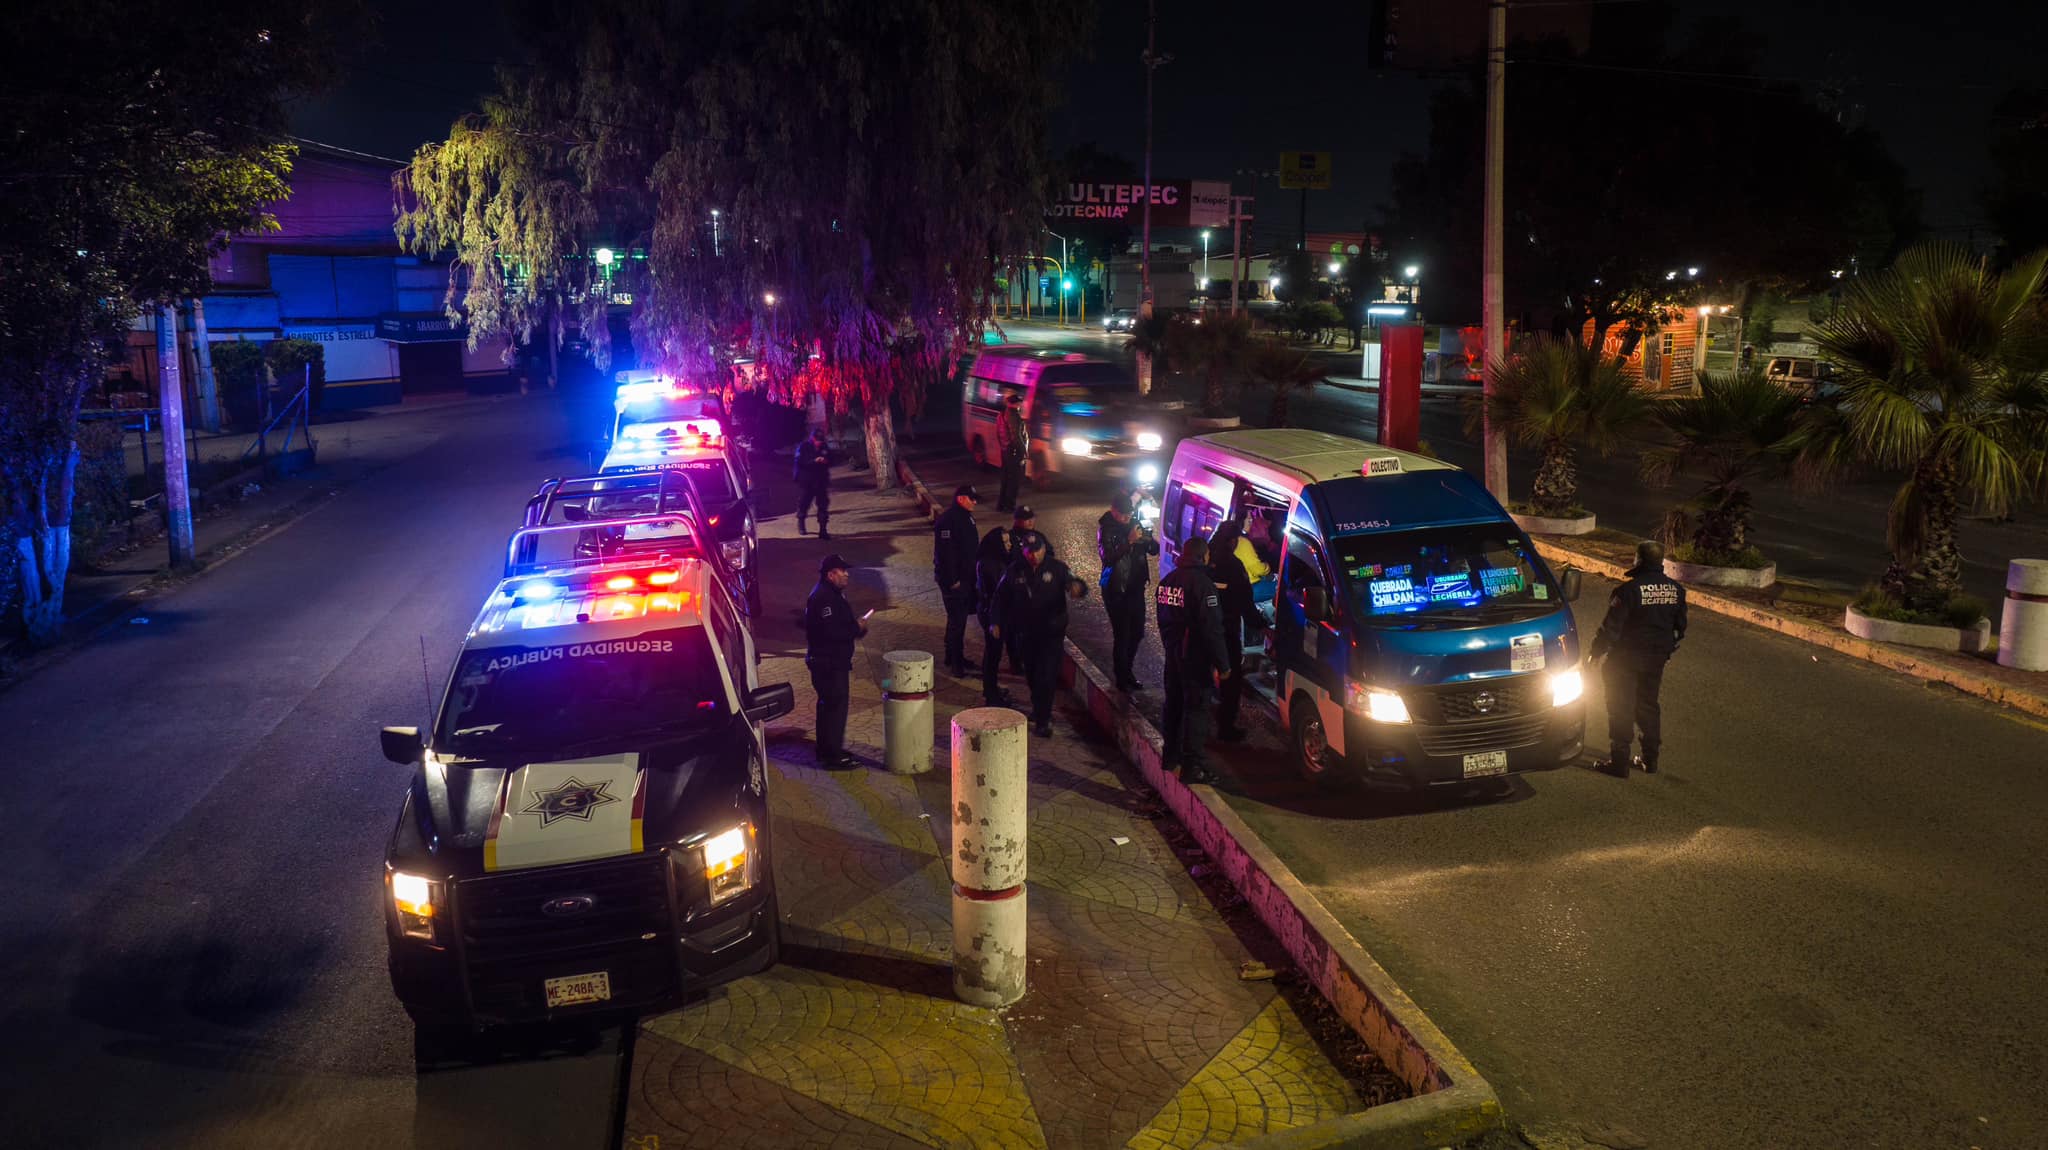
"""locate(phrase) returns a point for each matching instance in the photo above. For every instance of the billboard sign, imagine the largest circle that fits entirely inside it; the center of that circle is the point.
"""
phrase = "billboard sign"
(1175, 203)
(1305, 170)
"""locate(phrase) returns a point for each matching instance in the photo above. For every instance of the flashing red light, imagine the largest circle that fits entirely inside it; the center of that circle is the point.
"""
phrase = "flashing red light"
(619, 583)
(664, 603)
(662, 578)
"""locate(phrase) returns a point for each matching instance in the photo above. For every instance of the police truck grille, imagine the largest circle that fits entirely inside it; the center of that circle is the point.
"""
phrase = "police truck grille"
(511, 942)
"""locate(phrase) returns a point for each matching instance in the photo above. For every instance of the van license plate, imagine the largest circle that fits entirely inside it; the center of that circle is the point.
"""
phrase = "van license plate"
(577, 988)
(1486, 763)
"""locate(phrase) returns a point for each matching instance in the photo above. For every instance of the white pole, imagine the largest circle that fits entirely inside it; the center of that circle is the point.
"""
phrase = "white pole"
(990, 761)
(907, 712)
(2023, 632)
(202, 357)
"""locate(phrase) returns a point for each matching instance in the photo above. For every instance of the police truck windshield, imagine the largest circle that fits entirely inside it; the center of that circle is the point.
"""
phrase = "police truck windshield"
(538, 699)
(1478, 573)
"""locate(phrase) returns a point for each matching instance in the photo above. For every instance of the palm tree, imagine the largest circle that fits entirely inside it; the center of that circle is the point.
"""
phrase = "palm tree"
(1216, 346)
(1734, 432)
(1944, 376)
(1270, 362)
(1555, 394)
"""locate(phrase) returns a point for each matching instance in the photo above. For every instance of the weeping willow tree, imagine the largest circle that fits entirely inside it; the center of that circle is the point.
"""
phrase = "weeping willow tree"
(824, 188)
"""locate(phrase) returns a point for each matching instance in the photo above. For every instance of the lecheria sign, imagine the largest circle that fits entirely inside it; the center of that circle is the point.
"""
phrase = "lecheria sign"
(1175, 203)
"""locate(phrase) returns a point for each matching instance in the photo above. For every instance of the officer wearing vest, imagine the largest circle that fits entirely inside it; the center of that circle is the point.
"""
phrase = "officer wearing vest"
(830, 630)
(1023, 529)
(1124, 546)
(1191, 636)
(954, 543)
(1015, 440)
(1032, 606)
(1645, 621)
(813, 474)
(992, 562)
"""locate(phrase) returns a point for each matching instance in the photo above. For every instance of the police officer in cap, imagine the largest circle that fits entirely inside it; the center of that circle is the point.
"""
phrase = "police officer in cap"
(954, 545)
(814, 458)
(1191, 636)
(830, 630)
(1645, 621)
(1032, 606)
(1023, 529)
(1015, 441)
(1124, 546)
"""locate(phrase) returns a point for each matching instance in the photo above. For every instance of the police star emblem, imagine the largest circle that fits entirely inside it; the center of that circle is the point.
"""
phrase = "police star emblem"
(574, 799)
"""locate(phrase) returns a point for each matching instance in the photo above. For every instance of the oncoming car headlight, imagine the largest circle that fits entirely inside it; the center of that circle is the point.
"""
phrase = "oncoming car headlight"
(1566, 687)
(1075, 445)
(1376, 703)
(1150, 441)
(730, 862)
(418, 901)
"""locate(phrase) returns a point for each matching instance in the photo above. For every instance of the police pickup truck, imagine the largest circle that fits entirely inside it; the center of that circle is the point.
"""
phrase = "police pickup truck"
(587, 826)
(617, 499)
(697, 449)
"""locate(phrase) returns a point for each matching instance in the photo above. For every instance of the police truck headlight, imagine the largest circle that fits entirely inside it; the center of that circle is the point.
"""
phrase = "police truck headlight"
(735, 552)
(730, 863)
(1376, 703)
(418, 902)
(1075, 445)
(1150, 441)
(1566, 687)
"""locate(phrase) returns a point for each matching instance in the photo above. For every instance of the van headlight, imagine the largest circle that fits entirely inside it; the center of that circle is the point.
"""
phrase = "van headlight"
(1566, 687)
(418, 900)
(730, 863)
(735, 552)
(1376, 703)
(1075, 445)
(1150, 441)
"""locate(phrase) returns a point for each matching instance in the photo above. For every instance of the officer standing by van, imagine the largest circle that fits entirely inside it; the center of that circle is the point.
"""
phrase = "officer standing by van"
(1033, 608)
(954, 546)
(1645, 622)
(991, 563)
(1124, 546)
(1015, 441)
(1191, 635)
(814, 459)
(830, 631)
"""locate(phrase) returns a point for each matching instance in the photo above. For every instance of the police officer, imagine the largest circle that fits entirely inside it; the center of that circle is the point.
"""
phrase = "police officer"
(830, 628)
(955, 544)
(814, 459)
(1191, 636)
(1023, 529)
(1032, 606)
(1015, 440)
(991, 563)
(1645, 621)
(1125, 547)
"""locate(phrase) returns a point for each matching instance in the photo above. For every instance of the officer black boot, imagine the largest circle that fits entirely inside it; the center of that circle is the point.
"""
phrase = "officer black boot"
(802, 528)
(1646, 765)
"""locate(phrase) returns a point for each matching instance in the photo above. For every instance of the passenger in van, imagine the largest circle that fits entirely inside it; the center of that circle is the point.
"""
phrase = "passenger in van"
(1227, 548)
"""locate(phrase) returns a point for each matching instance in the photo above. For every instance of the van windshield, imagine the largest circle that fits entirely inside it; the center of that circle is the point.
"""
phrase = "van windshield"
(1481, 573)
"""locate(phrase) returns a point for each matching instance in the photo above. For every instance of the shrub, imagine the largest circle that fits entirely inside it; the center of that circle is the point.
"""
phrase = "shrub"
(240, 375)
(1747, 558)
(1960, 612)
(289, 360)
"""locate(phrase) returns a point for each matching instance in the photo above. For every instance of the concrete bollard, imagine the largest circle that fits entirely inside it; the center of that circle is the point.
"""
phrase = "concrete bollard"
(990, 763)
(2023, 630)
(907, 713)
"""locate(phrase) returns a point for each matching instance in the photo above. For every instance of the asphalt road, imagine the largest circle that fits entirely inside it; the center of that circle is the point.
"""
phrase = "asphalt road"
(193, 953)
(1820, 926)
(1832, 539)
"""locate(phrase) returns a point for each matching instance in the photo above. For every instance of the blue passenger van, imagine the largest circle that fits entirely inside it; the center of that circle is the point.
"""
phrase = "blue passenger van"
(1416, 637)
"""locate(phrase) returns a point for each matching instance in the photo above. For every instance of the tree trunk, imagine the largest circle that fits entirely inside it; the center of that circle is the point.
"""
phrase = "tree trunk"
(1212, 394)
(1934, 575)
(1556, 489)
(879, 430)
(1724, 522)
(43, 550)
(1276, 413)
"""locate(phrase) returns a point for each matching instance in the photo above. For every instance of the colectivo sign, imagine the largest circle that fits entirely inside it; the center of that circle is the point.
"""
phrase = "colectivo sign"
(1175, 203)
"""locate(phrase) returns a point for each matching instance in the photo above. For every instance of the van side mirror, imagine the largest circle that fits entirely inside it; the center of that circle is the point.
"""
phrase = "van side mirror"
(402, 745)
(770, 702)
(1315, 603)
(1571, 579)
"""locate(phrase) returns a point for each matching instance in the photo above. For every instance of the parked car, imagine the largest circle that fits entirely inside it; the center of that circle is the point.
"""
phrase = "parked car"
(1122, 319)
(1799, 373)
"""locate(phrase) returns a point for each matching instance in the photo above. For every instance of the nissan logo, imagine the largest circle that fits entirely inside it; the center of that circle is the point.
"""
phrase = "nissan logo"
(568, 905)
(1483, 702)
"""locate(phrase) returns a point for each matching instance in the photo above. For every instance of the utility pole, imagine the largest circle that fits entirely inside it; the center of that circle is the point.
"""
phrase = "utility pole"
(1493, 300)
(202, 356)
(171, 402)
(1152, 60)
(1237, 219)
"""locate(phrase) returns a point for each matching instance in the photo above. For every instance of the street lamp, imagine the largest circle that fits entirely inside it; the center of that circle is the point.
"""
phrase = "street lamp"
(1411, 271)
(1205, 257)
(1335, 267)
(768, 298)
(716, 248)
(605, 256)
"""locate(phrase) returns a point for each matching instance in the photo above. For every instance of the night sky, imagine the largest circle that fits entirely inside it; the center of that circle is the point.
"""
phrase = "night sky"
(1249, 80)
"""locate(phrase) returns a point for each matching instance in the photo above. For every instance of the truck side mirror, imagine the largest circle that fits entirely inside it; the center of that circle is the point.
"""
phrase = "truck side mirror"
(1571, 579)
(402, 744)
(1315, 604)
(770, 702)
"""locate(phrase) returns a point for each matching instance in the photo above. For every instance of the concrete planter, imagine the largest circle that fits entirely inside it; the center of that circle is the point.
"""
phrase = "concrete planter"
(1201, 423)
(1708, 575)
(1968, 640)
(1554, 525)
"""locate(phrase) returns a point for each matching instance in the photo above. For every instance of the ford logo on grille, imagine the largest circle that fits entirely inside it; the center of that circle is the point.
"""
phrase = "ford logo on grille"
(568, 905)
(1484, 702)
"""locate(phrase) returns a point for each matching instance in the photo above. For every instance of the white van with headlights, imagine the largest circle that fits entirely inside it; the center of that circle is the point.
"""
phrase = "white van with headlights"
(1085, 416)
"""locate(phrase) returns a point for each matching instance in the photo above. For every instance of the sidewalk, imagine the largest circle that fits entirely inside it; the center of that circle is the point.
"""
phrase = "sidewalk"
(1137, 1030)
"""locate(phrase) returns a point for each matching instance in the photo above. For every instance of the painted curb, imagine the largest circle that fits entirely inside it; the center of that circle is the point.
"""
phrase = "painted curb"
(1451, 1101)
(2033, 702)
(1967, 640)
(1555, 524)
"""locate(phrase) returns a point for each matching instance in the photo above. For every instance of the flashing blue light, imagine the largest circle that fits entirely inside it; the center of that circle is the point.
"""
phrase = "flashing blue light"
(537, 591)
